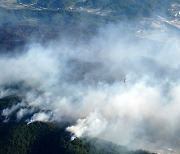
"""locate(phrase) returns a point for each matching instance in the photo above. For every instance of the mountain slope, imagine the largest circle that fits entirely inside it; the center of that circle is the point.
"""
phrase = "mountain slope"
(48, 138)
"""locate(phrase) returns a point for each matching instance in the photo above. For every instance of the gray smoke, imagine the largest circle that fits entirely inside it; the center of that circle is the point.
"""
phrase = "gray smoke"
(84, 82)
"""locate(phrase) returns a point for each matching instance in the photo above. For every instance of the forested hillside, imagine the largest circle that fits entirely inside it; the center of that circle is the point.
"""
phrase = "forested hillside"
(48, 138)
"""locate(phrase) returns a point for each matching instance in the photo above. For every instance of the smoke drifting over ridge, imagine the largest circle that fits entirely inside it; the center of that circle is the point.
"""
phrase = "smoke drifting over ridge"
(83, 82)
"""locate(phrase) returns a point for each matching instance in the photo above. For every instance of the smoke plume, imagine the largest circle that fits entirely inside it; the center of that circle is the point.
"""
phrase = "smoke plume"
(115, 86)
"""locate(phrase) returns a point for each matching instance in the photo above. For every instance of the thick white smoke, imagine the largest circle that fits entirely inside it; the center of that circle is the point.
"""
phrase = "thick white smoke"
(84, 82)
